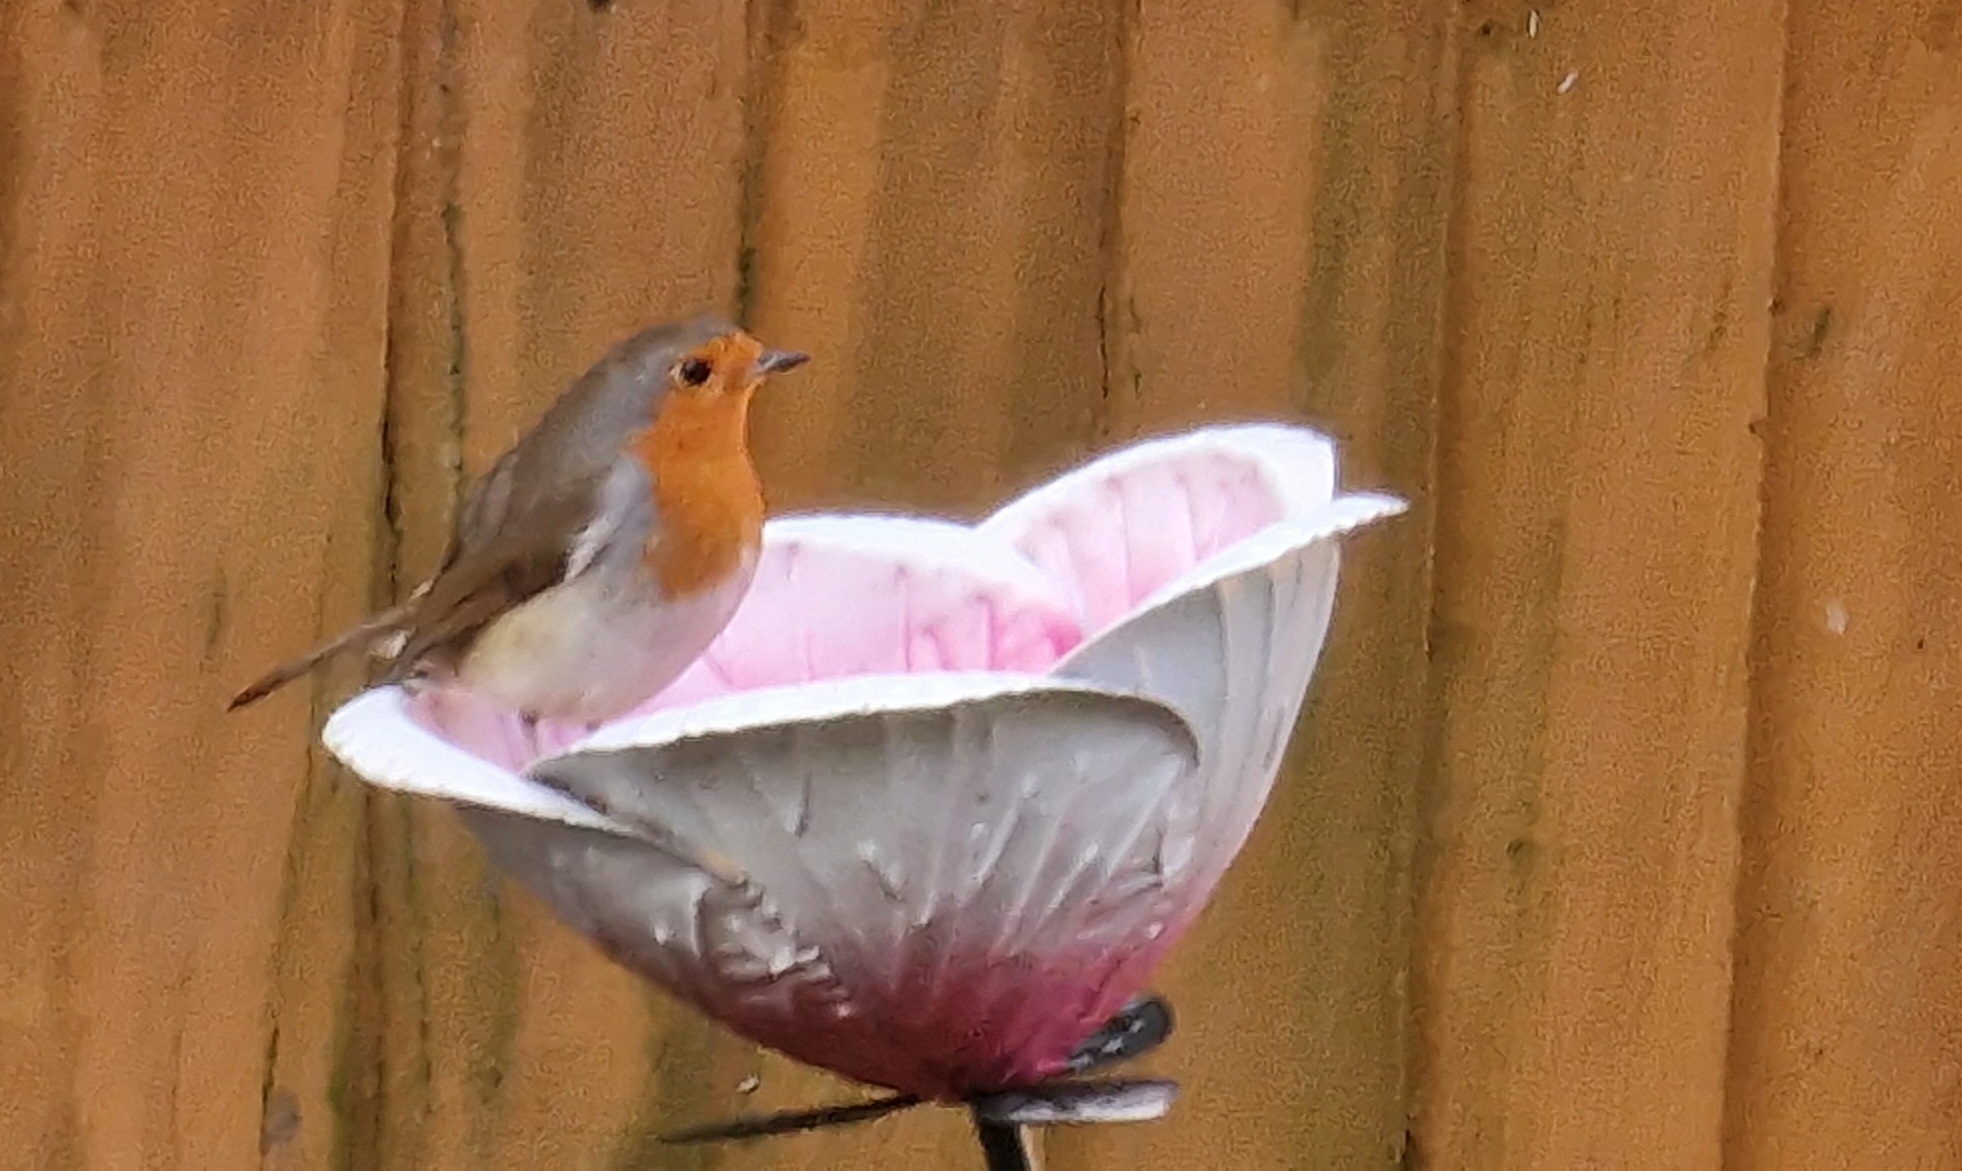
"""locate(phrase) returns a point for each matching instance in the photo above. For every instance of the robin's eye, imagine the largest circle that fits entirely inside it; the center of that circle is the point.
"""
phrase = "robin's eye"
(694, 371)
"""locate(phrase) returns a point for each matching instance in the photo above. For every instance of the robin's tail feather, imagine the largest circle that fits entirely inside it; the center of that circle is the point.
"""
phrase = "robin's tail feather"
(364, 635)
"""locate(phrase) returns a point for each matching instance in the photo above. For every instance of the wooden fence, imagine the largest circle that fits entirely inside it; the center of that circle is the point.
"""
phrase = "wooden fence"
(1625, 829)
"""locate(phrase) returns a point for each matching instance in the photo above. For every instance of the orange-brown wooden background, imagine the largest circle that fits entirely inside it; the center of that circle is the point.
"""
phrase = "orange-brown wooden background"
(1625, 828)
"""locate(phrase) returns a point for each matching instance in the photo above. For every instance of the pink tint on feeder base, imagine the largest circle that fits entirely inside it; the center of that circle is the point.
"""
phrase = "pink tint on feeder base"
(941, 1024)
(974, 1025)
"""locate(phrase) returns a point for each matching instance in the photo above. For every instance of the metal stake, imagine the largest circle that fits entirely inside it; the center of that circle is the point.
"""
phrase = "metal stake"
(1006, 1148)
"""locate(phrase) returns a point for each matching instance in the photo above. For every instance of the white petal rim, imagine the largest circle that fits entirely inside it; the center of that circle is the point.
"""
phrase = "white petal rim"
(831, 699)
(1342, 515)
(1298, 463)
(374, 735)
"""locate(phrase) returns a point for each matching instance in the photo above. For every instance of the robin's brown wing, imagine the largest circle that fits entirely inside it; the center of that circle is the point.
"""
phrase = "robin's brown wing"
(520, 545)
(447, 619)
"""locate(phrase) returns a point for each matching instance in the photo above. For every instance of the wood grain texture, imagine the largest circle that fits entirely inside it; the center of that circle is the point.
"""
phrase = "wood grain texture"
(195, 289)
(1598, 497)
(1282, 256)
(930, 194)
(927, 196)
(574, 174)
(1847, 1045)
(277, 280)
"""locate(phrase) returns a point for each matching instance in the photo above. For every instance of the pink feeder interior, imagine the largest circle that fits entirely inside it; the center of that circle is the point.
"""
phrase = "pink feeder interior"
(1112, 536)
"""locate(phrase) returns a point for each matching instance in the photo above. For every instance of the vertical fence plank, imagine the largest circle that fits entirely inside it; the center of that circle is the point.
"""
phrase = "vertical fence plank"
(191, 357)
(929, 190)
(1282, 255)
(441, 1005)
(1223, 109)
(575, 173)
(1848, 1007)
(929, 210)
(1598, 492)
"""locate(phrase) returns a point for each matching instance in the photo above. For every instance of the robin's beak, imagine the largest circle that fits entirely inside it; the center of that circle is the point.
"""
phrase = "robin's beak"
(778, 361)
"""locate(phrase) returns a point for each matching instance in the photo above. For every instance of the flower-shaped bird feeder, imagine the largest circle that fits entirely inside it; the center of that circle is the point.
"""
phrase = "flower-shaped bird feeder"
(932, 808)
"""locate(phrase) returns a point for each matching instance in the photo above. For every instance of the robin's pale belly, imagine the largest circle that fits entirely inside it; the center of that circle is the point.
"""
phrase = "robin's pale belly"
(599, 645)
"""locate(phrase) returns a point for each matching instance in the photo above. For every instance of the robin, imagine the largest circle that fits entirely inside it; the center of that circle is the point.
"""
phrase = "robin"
(604, 551)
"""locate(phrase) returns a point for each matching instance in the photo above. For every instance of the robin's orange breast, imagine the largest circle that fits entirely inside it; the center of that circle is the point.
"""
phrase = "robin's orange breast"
(709, 503)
